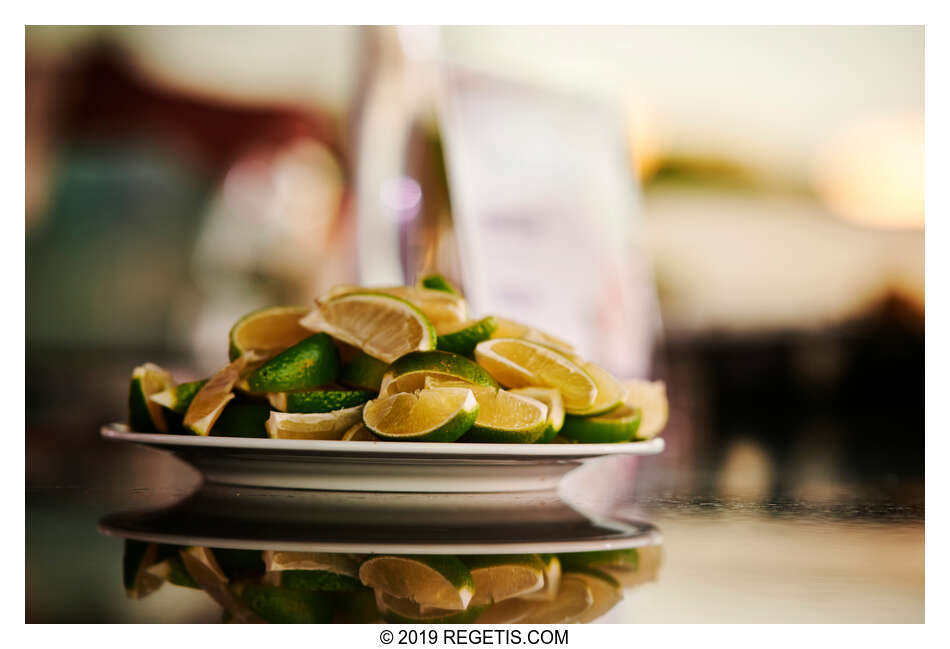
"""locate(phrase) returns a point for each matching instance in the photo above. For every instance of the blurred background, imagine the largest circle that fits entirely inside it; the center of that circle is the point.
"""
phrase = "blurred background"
(736, 211)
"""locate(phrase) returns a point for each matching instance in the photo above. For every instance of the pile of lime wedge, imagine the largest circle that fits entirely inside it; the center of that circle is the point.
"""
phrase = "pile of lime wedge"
(401, 363)
(315, 587)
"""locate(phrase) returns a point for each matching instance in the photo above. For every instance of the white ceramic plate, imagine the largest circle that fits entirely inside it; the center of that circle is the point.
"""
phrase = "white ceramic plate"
(380, 466)
(405, 523)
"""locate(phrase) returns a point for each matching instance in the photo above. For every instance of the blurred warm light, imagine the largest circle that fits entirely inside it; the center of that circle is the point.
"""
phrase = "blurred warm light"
(643, 139)
(747, 472)
(270, 225)
(872, 173)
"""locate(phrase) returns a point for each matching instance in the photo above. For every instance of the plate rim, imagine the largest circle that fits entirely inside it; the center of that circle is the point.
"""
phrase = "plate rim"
(120, 432)
(649, 536)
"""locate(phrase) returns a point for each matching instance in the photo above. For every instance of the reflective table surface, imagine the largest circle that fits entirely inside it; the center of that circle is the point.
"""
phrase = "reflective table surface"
(143, 543)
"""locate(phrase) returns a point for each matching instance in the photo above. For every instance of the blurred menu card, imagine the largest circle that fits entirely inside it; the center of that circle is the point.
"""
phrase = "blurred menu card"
(547, 216)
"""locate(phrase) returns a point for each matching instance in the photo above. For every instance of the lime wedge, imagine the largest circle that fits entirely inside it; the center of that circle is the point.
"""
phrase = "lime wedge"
(145, 416)
(433, 415)
(605, 593)
(650, 398)
(517, 363)
(177, 398)
(207, 404)
(610, 392)
(502, 577)
(462, 338)
(360, 433)
(310, 363)
(242, 418)
(267, 331)
(442, 309)
(410, 372)
(618, 425)
(441, 582)
(504, 417)
(363, 372)
(574, 597)
(511, 329)
(552, 579)
(552, 399)
(437, 282)
(383, 326)
(318, 400)
(313, 425)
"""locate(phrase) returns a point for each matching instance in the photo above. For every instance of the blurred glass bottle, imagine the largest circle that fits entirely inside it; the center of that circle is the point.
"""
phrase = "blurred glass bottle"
(403, 218)
(544, 223)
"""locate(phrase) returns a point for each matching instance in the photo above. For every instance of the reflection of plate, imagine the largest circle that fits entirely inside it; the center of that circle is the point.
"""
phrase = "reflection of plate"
(280, 519)
(380, 466)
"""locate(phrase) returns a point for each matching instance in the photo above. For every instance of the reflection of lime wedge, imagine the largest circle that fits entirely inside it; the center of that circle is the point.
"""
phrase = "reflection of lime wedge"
(146, 416)
(552, 579)
(605, 591)
(357, 607)
(437, 282)
(441, 308)
(410, 372)
(267, 331)
(650, 398)
(364, 372)
(178, 398)
(337, 563)
(620, 559)
(239, 564)
(310, 363)
(203, 568)
(360, 433)
(435, 581)
(401, 610)
(552, 399)
(313, 425)
(618, 425)
(462, 338)
(511, 329)
(647, 567)
(508, 418)
(173, 571)
(519, 363)
(207, 405)
(501, 577)
(574, 597)
(433, 415)
(383, 326)
(136, 560)
(610, 392)
(510, 611)
(318, 400)
(280, 605)
(317, 580)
